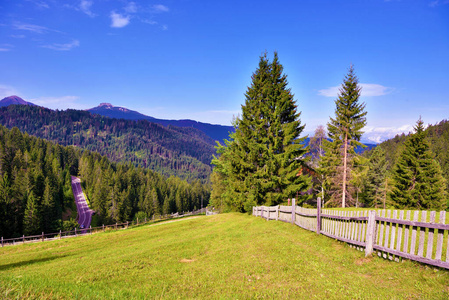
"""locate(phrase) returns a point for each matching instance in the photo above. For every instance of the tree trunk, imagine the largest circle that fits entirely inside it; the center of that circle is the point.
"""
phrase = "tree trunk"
(345, 157)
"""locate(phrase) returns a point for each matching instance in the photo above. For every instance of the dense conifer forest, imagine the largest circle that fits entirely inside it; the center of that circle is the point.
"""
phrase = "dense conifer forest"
(183, 152)
(36, 194)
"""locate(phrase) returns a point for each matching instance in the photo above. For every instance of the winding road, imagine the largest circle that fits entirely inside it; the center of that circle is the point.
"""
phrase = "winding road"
(84, 212)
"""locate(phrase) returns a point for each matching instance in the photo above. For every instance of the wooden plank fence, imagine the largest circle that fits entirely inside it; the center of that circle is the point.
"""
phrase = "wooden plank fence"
(394, 234)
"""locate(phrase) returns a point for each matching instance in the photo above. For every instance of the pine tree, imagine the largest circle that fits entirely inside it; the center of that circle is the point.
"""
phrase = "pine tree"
(48, 210)
(345, 131)
(417, 177)
(375, 182)
(359, 176)
(265, 155)
(32, 218)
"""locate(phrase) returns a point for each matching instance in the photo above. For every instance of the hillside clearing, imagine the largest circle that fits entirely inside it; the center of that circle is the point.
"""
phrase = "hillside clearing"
(222, 256)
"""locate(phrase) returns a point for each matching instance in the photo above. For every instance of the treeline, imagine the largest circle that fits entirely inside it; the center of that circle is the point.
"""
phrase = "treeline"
(36, 194)
(408, 170)
(265, 162)
(436, 135)
(183, 152)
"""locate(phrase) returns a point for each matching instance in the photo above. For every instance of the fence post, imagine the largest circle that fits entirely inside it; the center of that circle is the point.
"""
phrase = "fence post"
(318, 215)
(370, 233)
(128, 222)
(103, 227)
(42, 236)
(23, 239)
(137, 222)
(75, 232)
(277, 212)
(60, 234)
(293, 210)
(90, 229)
(115, 225)
(2, 241)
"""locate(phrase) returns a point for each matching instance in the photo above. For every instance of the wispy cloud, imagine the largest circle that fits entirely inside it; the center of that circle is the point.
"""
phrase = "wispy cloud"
(63, 47)
(118, 20)
(40, 4)
(131, 8)
(31, 27)
(6, 47)
(63, 102)
(85, 6)
(368, 90)
(6, 91)
(436, 3)
(159, 8)
(18, 36)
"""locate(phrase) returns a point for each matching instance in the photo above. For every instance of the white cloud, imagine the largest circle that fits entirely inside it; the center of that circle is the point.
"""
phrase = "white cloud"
(380, 134)
(6, 91)
(131, 8)
(151, 22)
(368, 90)
(63, 47)
(85, 6)
(118, 20)
(159, 8)
(329, 92)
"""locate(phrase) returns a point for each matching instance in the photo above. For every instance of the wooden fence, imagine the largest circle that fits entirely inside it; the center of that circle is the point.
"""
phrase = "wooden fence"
(86, 231)
(417, 235)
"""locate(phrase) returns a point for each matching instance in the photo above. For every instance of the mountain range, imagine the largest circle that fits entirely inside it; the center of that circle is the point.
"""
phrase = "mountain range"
(216, 132)
(169, 150)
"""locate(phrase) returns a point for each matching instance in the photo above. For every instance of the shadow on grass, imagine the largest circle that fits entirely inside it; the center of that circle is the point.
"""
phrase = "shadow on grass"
(28, 262)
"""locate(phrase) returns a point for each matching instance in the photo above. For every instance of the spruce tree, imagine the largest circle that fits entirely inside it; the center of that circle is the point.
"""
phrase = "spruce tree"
(345, 131)
(32, 218)
(265, 155)
(375, 182)
(417, 177)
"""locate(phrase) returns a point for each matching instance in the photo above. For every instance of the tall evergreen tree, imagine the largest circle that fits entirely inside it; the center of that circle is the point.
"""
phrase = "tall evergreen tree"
(375, 182)
(32, 218)
(417, 177)
(266, 155)
(345, 131)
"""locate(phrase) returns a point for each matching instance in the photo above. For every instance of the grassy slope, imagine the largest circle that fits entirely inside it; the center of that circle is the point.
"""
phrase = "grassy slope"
(223, 256)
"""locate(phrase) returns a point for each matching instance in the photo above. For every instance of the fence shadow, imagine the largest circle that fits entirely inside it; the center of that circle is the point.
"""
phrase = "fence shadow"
(29, 262)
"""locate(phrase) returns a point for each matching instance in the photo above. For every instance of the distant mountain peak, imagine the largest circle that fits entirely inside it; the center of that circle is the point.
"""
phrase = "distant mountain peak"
(109, 110)
(106, 105)
(14, 100)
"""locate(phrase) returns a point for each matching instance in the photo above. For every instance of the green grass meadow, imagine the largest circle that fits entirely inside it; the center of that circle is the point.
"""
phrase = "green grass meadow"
(228, 256)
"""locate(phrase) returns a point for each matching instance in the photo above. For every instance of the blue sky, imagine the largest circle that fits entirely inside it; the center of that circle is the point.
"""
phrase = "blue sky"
(194, 59)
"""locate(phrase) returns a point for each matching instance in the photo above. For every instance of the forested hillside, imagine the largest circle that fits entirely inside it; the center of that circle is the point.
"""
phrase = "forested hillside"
(35, 190)
(183, 152)
(438, 137)
(216, 132)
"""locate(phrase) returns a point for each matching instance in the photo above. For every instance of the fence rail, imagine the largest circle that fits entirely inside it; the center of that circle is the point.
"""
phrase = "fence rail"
(86, 231)
(416, 235)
